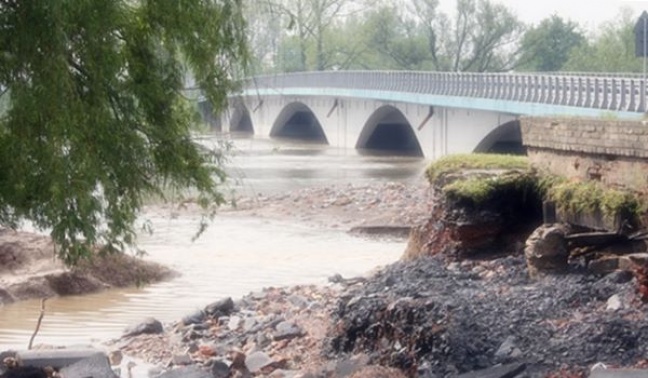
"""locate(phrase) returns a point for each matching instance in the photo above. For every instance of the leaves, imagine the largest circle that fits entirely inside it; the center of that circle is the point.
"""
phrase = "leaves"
(96, 120)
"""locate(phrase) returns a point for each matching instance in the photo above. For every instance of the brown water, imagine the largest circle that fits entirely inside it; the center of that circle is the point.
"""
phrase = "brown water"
(235, 256)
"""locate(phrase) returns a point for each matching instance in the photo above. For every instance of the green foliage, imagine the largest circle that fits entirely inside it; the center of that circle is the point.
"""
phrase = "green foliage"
(612, 50)
(479, 190)
(547, 46)
(96, 119)
(592, 196)
(456, 163)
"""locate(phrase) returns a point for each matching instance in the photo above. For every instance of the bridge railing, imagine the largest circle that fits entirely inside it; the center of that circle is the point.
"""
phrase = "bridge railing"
(598, 91)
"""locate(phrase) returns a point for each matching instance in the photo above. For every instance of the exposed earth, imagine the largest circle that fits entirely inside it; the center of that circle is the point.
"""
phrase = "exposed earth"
(29, 270)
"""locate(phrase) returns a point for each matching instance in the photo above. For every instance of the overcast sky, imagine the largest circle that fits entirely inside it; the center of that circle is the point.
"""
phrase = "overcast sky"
(589, 13)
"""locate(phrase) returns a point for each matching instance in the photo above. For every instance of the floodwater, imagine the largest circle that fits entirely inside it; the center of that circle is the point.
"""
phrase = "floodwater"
(236, 255)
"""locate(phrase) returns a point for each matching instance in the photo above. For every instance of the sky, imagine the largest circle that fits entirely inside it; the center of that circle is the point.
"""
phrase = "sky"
(588, 13)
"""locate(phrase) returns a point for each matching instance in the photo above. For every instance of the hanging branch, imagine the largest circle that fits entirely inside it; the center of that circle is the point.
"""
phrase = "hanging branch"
(38, 324)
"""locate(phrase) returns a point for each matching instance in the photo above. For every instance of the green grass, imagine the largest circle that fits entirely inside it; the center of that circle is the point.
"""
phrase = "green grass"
(479, 190)
(592, 196)
(570, 196)
(455, 163)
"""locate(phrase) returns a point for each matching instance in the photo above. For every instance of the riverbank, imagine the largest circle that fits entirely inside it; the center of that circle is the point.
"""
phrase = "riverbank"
(428, 317)
(30, 270)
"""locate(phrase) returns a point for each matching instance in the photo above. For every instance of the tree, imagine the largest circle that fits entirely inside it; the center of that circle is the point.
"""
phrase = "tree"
(96, 119)
(399, 43)
(482, 36)
(547, 46)
(612, 50)
(307, 27)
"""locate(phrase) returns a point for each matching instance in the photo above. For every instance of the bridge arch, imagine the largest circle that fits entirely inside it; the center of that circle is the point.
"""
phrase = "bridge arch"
(506, 138)
(387, 129)
(240, 120)
(298, 121)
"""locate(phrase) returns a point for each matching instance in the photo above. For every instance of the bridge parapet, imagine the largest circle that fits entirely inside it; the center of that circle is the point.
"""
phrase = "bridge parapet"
(611, 92)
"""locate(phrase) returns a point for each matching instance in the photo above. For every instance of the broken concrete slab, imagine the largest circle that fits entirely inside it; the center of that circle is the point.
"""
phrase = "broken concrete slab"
(55, 358)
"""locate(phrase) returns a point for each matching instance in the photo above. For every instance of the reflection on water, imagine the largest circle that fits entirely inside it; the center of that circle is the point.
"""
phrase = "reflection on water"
(235, 256)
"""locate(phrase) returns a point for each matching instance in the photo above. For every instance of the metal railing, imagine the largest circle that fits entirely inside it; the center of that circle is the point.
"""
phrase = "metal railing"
(611, 92)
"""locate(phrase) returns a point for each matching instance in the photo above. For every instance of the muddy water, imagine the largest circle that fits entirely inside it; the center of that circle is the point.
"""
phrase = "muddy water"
(235, 256)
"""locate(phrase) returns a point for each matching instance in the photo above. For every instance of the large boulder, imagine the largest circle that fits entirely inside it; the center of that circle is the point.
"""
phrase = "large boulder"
(546, 250)
(148, 326)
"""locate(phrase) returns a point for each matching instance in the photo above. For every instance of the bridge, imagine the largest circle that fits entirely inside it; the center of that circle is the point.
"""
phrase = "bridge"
(428, 114)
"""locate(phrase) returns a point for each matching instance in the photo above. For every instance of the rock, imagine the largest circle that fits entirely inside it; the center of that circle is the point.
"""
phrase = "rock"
(148, 326)
(620, 276)
(186, 372)
(604, 265)
(8, 354)
(298, 301)
(196, 318)
(619, 373)
(546, 250)
(614, 303)
(424, 370)
(222, 307)
(97, 366)
(280, 373)
(287, 330)
(249, 323)
(348, 367)
(56, 358)
(220, 369)
(26, 372)
(502, 371)
(256, 361)
(115, 357)
(633, 261)
(234, 323)
(181, 359)
(508, 350)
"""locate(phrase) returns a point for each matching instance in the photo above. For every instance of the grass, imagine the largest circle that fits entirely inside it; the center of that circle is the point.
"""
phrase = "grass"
(455, 163)
(590, 197)
(479, 190)
(570, 196)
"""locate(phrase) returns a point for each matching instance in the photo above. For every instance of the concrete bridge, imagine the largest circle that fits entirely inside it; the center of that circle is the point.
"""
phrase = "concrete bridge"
(426, 114)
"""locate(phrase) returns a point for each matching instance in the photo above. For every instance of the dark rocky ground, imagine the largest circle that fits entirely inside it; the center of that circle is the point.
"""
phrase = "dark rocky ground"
(423, 318)
(429, 318)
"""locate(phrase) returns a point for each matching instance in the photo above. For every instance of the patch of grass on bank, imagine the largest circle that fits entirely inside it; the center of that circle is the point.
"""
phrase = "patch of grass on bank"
(479, 190)
(456, 163)
(592, 196)
(519, 179)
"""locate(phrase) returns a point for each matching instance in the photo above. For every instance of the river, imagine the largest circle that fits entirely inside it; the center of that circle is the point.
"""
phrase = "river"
(236, 255)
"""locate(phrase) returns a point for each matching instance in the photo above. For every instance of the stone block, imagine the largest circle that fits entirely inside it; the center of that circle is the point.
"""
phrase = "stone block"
(56, 358)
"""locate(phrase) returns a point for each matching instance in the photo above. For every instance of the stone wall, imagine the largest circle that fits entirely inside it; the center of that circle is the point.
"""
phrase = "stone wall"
(613, 152)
